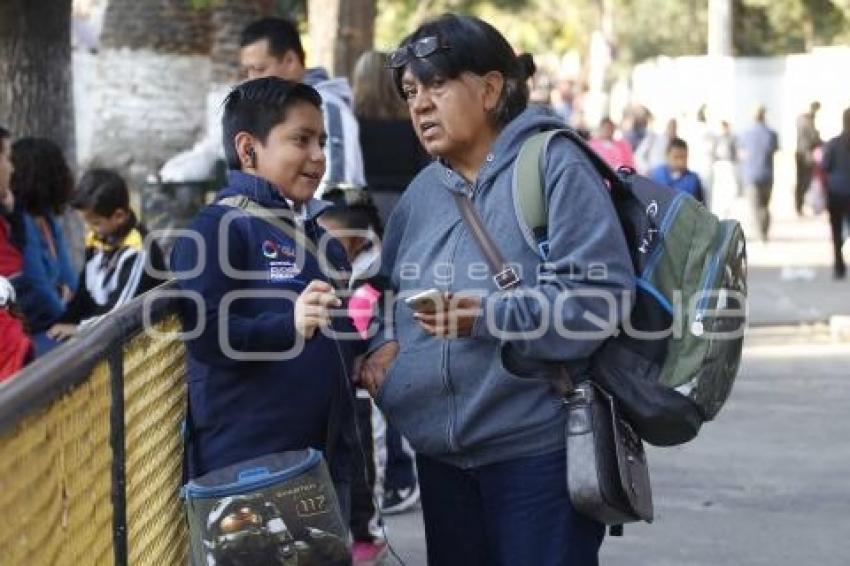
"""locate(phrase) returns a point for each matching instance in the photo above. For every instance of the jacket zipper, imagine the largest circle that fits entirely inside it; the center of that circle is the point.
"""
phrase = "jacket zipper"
(447, 381)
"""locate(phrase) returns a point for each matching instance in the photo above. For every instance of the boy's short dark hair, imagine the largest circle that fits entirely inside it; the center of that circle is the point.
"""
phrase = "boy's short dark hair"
(259, 105)
(677, 143)
(4, 133)
(281, 33)
(101, 191)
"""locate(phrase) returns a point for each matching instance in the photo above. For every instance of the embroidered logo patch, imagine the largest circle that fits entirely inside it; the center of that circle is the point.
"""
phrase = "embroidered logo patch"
(270, 249)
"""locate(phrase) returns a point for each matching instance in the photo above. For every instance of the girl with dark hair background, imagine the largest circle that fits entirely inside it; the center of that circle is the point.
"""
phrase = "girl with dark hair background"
(469, 382)
(43, 184)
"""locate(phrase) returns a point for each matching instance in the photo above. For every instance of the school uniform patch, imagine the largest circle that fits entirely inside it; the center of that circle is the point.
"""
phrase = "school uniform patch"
(283, 270)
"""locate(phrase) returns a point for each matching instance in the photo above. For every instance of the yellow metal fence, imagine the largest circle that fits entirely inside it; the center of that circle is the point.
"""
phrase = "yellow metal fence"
(88, 476)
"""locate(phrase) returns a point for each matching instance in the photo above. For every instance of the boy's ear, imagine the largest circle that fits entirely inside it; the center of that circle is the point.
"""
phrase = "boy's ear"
(246, 150)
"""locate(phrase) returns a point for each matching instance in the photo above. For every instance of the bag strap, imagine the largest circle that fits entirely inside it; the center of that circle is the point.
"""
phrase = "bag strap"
(529, 190)
(503, 274)
(276, 220)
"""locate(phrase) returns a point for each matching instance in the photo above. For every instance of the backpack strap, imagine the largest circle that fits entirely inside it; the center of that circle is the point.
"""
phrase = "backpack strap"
(529, 190)
(281, 222)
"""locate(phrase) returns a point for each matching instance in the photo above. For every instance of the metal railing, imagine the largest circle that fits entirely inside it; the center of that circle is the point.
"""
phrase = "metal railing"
(91, 449)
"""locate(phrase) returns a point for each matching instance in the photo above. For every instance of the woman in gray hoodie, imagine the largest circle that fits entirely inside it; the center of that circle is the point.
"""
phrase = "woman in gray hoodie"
(471, 384)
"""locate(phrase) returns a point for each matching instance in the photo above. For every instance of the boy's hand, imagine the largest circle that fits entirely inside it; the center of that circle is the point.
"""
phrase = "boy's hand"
(373, 370)
(62, 331)
(311, 308)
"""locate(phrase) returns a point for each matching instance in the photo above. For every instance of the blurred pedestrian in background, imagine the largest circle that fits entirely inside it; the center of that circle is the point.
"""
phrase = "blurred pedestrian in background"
(808, 138)
(836, 164)
(392, 154)
(756, 148)
(616, 152)
(675, 173)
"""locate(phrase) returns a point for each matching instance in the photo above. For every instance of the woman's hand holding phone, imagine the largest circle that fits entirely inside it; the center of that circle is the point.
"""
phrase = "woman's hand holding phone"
(445, 315)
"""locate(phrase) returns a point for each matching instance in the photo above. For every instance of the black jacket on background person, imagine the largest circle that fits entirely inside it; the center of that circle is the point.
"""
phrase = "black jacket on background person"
(392, 156)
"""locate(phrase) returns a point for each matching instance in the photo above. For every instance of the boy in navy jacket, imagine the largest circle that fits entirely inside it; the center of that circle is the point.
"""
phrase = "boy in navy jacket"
(264, 373)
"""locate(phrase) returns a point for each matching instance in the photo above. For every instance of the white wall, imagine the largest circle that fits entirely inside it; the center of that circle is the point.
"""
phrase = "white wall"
(135, 109)
(733, 87)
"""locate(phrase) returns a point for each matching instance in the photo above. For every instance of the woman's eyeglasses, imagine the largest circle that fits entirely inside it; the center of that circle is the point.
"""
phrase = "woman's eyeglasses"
(420, 49)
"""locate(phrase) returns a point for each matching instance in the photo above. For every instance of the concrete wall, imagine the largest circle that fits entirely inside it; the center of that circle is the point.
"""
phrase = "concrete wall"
(732, 87)
(137, 108)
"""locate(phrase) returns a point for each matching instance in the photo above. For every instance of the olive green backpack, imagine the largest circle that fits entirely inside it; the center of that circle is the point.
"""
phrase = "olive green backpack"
(672, 365)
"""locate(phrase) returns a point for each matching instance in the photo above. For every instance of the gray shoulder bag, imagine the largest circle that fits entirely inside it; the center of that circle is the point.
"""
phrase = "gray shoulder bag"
(607, 471)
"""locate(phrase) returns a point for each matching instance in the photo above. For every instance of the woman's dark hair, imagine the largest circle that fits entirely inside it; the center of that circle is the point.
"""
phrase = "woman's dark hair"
(354, 209)
(526, 63)
(42, 179)
(102, 191)
(473, 45)
(259, 105)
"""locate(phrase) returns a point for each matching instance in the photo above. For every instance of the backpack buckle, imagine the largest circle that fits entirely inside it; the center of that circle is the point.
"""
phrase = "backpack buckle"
(507, 279)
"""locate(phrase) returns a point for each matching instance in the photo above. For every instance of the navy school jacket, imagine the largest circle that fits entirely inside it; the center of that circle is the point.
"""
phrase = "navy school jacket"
(243, 409)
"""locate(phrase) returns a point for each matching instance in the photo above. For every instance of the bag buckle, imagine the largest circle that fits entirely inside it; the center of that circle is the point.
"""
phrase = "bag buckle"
(507, 279)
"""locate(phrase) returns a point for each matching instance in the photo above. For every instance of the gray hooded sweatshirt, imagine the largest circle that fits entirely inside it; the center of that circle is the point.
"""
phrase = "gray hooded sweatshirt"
(462, 400)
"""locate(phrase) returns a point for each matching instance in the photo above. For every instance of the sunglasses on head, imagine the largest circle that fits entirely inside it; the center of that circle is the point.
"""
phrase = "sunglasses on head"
(421, 48)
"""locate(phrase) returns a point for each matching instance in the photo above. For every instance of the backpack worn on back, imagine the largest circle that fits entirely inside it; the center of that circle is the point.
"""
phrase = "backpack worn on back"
(672, 364)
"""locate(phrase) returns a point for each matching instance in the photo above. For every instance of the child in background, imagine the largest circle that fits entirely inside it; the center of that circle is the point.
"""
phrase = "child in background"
(42, 183)
(354, 221)
(11, 220)
(15, 347)
(114, 270)
(675, 173)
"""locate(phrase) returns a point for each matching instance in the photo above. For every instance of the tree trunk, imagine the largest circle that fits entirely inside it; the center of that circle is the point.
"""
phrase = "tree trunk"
(340, 31)
(36, 95)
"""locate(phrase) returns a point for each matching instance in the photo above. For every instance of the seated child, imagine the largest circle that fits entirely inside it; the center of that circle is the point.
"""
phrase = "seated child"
(114, 270)
(11, 220)
(15, 348)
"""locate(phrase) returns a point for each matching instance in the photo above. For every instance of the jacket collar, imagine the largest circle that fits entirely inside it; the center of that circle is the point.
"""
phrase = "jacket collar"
(265, 193)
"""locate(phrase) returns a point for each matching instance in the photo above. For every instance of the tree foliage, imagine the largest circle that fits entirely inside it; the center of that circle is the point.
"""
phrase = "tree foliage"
(537, 26)
(642, 29)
